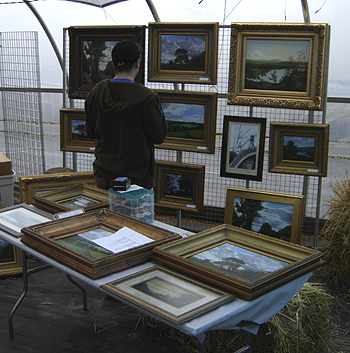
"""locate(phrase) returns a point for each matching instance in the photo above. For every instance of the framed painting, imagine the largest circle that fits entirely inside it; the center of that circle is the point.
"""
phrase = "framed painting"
(243, 143)
(242, 262)
(180, 185)
(274, 214)
(191, 118)
(299, 148)
(85, 196)
(14, 218)
(90, 50)
(88, 242)
(168, 294)
(278, 65)
(10, 259)
(31, 185)
(183, 52)
(73, 135)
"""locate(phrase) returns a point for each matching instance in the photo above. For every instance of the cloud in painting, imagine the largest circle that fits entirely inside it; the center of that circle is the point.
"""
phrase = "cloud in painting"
(183, 112)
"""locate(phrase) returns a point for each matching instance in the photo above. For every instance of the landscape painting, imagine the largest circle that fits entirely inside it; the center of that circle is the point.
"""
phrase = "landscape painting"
(269, 218)
(97, 64)
(78, 202)
(277, 65)
(183, 52)
(179, 185)
(185, 120)
(236, 261)
(299, 148)
(6, 252)
(79, 130)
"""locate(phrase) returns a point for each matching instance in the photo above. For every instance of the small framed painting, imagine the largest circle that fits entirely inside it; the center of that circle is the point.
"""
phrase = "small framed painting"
(183, 52)
(10, 259)
(191, 118)
(278, 65)
(90, 49)
(14, 218)
(239, 261)
(168, 294)
(73, 135)
(180, 185)
(299, 148)
(274, 214)
(242, 153)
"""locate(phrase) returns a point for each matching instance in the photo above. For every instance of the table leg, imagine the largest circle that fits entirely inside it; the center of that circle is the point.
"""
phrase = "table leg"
(82, 289)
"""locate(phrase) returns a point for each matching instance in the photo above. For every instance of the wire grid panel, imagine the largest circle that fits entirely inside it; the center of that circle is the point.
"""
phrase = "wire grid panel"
(216, 186)
(22, 108)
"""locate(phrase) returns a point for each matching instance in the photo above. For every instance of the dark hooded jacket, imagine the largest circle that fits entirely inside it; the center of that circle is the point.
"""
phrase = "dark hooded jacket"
(127, 119)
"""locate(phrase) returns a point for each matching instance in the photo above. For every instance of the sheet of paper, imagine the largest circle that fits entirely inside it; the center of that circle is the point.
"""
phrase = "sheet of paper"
(122, 240)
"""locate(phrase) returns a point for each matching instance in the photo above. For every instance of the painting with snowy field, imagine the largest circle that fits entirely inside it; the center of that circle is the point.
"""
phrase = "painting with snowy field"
(244, 264)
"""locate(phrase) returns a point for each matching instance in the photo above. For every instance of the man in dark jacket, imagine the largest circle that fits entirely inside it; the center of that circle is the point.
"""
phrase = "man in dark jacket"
(127, 119)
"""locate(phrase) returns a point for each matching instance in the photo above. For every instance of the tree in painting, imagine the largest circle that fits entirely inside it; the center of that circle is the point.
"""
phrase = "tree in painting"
(248, 211)
(179, 185)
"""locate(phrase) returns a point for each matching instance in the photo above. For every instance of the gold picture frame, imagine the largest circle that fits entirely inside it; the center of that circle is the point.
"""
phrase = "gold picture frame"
(239, 261)
(10, 259)
(191, 118)
(183, 52)
(168, 294)
(31, 185)
(88, 197)
(179, 185)
(73, 137)
(290, 71)
(70, 241)
(83, 75)
(273, 214)
(299, 148)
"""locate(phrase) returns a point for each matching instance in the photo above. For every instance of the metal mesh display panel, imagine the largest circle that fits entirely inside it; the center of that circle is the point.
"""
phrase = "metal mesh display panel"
(21, 101)
(216, 186)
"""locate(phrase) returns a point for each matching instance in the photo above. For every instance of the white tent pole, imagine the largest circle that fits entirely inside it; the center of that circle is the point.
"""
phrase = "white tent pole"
(306, 12)
(47, 31)
(153, 10)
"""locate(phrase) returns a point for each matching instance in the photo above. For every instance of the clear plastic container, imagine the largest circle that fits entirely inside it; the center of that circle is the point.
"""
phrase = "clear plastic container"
(135, 202)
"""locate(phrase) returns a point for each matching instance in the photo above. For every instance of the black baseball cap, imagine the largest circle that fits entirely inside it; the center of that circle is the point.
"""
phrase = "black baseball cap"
(126, 53)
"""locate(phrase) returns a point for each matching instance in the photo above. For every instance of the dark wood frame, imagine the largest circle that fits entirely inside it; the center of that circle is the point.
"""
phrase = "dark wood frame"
(79, 34)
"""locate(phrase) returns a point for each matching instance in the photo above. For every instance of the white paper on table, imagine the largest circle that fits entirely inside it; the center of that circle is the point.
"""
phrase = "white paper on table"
(124, 239)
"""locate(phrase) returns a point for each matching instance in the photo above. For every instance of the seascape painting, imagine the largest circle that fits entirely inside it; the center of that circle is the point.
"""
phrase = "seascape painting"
(185, 120)
(278, 65)
(179, 185)
(183, 52)
(97, 63)
(299, 148)
(233, 260)
(167, 292)
(269, 218)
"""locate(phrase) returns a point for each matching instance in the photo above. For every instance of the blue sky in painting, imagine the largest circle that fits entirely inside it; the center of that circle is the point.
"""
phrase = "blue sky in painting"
(261, 49)
(184, 112)
(300, 141)
(194, 44)
(279, 215)
(252, 260)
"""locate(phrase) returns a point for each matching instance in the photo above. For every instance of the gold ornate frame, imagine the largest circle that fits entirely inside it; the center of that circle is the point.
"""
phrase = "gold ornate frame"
(313, 158)
(204, 75)
(309, 95)
(208, 101)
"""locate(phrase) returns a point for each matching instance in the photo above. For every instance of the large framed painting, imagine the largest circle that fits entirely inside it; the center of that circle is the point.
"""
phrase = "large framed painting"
(14, 218)
(183, 52)
(10, 259)
(97, 243)
(191, 118)
(278, 65)
(299, 148)
(90, 50)
(179, 185)
(239, 261)
(31, 185)
(73, 135)
(274, 214)
(168, 294)
(79, 196)
(243, 143)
